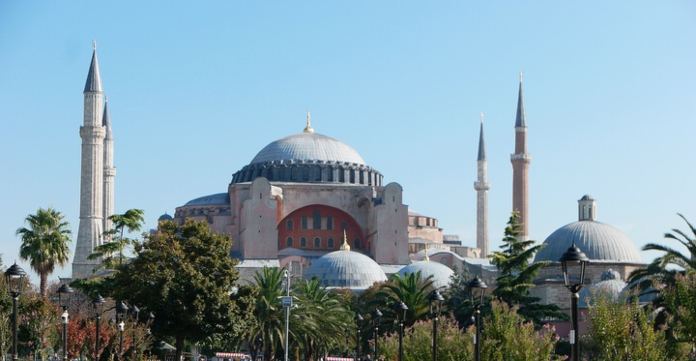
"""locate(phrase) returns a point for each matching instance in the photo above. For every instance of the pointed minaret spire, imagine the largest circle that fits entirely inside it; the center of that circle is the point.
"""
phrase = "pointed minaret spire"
(308, 128)
(105, 117)
(481, 186)
(93, 83)
(109, 169)
(520, 167)
(482, 145)
(520, 120)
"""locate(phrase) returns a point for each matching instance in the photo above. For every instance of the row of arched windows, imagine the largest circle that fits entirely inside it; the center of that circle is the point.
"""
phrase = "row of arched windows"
(289, 242)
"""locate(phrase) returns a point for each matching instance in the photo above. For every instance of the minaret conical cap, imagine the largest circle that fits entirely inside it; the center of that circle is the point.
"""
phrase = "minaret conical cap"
(93, 83)
(520, 120)
(106, 118)
(482, 145)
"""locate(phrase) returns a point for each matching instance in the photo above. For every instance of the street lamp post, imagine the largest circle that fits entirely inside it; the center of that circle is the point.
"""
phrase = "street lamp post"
(98, 306)
(287, 304)
(436, 300)
(64, 293)
(574, 260)
(376, 317)
(400, 310)
(358, 322)
(135, 312)
(478, 289)
(121, 311)
(14, 276)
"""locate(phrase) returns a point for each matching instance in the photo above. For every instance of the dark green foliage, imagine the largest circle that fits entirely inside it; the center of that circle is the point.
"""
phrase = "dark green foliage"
(111, 253)
(183, 274)
(517, 273)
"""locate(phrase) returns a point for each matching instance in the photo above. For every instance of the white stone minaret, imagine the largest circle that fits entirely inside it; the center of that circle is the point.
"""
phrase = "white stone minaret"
(481, 186)
(520, 167)
(109, 169)
(92, 133)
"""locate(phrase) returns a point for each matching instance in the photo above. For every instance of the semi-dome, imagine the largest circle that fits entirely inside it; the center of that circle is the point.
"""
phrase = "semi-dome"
(599, 241)
(309, 157)
(346, 269)
(440, 273)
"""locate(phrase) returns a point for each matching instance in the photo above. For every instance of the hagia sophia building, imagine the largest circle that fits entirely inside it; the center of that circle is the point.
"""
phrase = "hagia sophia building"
(312, 203)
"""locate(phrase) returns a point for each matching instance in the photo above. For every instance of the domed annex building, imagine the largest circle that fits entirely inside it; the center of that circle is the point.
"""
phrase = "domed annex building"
(612, 256)
(292, 203)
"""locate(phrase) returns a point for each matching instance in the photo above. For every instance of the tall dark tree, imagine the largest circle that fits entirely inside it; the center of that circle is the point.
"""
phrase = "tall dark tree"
(45, 243)
(184, 275)
(517, 273)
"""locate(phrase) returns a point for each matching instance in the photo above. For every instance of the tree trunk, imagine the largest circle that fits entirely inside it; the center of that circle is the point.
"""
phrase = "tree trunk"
(179, 347)
(43, 285)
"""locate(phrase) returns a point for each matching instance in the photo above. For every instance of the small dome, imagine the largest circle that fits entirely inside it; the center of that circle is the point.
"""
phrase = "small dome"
(610, 274)
(599, 241)
(441, 274)
(308, 147)
(346, 269)
(164, 217)
(610, 288)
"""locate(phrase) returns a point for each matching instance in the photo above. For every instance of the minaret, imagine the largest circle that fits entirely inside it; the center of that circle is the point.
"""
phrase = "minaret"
(109, 169)
(92, 133)
(481, 186)
(520, 167)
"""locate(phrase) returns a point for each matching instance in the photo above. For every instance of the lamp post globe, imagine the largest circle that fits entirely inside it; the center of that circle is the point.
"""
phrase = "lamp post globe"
(573, 263)
(376, 319)
(477, 288)
(64, 294)
(436, 300)
(14, 278)
(98, 308)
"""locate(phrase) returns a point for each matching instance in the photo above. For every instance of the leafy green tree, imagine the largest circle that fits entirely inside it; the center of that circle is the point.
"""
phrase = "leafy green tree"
(517, 273)
(623, 332)
(508, 336)
(680, 306)
(45, 243)
(184, 275)
(452, 343)
(411, 289)
(131, 221)
(458, 298)
(663, 271)
(266, 334)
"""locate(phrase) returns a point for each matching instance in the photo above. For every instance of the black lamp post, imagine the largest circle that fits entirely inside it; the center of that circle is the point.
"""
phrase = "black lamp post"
(135, 312)
(121, 311)
(574, 260)
(436, 300)
(64, 293)
(98, 307)
(478, 289)
(400, 310)
(14, 276)
(358, 322)
(376, 318)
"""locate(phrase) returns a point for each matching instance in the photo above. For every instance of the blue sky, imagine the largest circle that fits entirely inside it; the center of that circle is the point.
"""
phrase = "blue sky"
(196, 90)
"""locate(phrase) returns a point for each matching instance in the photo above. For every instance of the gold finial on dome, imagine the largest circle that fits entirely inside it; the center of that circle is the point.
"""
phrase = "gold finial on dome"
(427, 259)
(345, 246)
(308, 128)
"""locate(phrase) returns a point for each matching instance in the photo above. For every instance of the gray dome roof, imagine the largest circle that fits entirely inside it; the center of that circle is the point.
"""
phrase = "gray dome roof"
(308, 146)
(346, 269)
(610, 287)
(165, 217)
(599, 241)
(218, 198)
(441, 273)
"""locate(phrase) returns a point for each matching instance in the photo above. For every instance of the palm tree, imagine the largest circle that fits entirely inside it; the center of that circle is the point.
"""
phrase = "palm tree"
(411, 289)
(269, 327)
(132, 221)
(663, 270)
(45, 243)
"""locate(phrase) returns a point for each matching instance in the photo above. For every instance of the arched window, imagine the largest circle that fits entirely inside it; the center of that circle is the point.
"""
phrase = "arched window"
(329, 223)
(316, 219)
(303, 242)
(304, 222)
(356, 243)
(330, 243)
(289, 225)
(288, 242)
(317, 242)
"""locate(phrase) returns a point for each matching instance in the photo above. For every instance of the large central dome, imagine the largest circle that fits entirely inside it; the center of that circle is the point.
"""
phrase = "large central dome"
(308, 147)
(309, 157)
